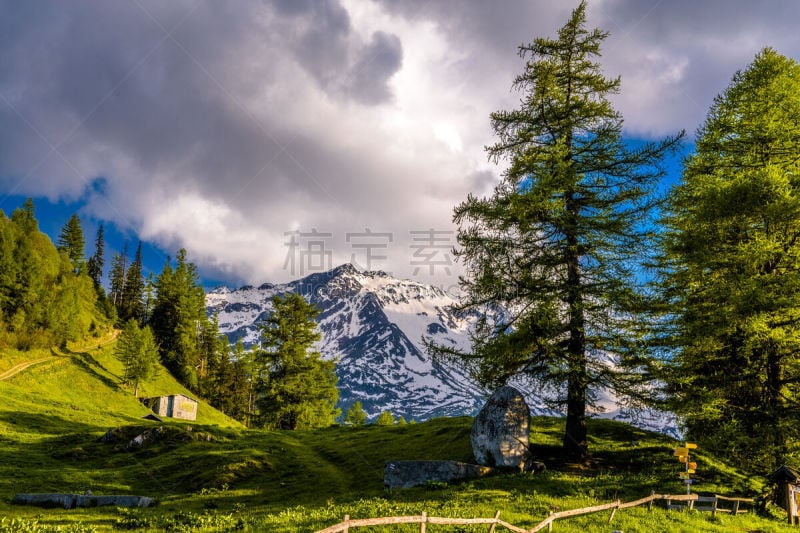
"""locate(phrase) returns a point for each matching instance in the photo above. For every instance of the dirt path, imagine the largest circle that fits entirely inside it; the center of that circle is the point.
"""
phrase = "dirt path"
(14, 370)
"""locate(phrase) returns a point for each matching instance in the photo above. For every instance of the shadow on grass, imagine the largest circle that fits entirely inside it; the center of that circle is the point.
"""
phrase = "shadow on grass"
(88, 363)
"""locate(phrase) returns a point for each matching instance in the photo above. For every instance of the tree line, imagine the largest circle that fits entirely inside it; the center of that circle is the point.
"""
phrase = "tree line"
(586, 277)
(50, 295)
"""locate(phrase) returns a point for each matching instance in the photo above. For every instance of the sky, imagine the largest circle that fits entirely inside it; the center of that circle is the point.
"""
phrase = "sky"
(272, 139)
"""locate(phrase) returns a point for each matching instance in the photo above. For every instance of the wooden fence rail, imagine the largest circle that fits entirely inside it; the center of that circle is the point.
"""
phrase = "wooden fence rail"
(424, 519)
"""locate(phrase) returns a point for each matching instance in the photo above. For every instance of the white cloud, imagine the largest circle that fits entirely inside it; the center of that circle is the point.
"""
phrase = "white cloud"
(251, 121)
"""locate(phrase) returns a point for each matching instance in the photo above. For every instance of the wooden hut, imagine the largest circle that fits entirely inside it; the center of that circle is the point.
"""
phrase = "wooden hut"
(787, 490)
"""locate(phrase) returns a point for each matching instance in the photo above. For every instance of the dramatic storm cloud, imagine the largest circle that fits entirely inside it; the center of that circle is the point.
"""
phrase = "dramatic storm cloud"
(263, 135)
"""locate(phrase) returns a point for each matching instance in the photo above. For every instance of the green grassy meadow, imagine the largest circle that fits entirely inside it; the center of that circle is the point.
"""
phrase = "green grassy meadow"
(216, 475)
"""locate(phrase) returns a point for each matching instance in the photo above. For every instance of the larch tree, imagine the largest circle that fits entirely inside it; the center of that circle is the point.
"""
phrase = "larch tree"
(731, 270)
(386, 418)
(137, 350)
(550, 258)
(296, 388)
(355, 415)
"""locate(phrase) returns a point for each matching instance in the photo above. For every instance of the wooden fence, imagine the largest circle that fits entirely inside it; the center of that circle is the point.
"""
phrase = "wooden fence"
(424, 519)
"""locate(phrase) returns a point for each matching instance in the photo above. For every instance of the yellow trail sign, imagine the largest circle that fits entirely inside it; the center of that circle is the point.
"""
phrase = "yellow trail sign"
(692, 466)
(681, 458)
(681, 451)
(683, 475)
(690, 446)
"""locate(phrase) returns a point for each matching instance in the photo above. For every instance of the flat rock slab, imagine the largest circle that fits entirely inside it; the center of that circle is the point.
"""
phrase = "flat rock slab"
(71, 501)
(404, 474)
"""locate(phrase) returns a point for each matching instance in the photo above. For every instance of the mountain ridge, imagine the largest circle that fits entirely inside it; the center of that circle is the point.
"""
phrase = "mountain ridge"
(373, 324)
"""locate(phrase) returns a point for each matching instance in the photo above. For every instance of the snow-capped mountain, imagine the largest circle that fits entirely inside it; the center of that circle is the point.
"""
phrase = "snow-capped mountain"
(373, 325)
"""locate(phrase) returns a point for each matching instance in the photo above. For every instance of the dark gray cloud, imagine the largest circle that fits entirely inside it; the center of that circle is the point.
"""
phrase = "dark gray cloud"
(221, 126)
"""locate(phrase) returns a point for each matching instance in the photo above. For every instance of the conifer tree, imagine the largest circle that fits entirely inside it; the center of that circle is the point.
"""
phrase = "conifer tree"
(386, 418)
(119, 264)
(550, 257)
(242, 386)
(296, 388)
(137, 350)
(132, 297)
(94, 266)
(178, 318)
(355, 415)
(731, 270)
(71, 241)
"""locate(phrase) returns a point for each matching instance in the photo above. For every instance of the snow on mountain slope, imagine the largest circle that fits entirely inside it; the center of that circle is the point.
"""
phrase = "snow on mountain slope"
(373, 325)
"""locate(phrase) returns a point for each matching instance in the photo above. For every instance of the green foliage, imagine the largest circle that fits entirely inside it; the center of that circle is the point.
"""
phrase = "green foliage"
(731, 270)
(131, 301)
(117, 277)
(45, 298)
(178, 314)
(137, 351)
(551, 256)
(355, 415)
(94, 267)
(71, 241)
(386, 418)
(227, 383)
(296, 388)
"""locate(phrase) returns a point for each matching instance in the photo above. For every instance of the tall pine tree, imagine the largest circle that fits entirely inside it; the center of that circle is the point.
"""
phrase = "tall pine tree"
(131, 305)
(296, 387)
(119, 265)
(94, 267)
(178, 320)
(550, 257)
(71, 241)
(731, 270)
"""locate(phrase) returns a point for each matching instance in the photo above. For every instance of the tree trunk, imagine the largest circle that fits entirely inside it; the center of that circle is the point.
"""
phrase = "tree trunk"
(775, 406)
(575, 444)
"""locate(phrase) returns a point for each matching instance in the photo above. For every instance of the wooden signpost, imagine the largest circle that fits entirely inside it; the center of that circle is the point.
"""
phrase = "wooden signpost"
(683, 454)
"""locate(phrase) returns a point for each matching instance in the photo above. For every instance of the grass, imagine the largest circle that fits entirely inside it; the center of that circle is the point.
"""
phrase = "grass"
(215, 475)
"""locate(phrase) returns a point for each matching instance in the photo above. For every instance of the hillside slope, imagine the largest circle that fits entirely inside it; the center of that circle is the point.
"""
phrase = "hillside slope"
(222, 479)
(51, 409)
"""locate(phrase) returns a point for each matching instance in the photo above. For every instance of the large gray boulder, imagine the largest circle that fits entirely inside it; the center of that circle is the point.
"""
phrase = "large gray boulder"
(501, 430)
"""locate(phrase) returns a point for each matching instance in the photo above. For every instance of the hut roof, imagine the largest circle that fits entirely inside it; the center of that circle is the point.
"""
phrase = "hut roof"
(784, 474)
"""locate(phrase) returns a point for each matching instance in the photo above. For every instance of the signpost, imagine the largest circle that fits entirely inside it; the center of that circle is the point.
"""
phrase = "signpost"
(683, 455)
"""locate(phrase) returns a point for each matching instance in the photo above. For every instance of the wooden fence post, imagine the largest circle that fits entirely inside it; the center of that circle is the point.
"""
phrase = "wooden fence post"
(614, 510)
(494, 524)
(650, 503)
(346, 523)
(550, 524)
(423, 524)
